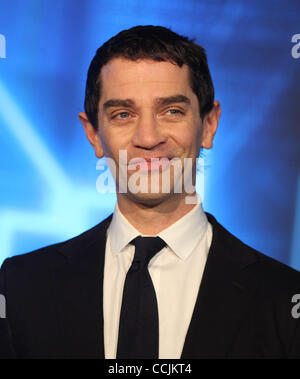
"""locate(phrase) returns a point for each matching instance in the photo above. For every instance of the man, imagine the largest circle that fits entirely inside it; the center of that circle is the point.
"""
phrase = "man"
(160, 278)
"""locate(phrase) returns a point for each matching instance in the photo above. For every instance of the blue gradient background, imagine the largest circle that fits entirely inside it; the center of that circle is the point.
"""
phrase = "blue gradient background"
(48, 169)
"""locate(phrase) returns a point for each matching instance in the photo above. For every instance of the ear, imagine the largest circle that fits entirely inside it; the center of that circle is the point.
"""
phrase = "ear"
(210, 125)
(92, 135)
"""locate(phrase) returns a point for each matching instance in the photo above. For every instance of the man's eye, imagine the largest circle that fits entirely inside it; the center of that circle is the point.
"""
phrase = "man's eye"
(122, 115)
(174, 111)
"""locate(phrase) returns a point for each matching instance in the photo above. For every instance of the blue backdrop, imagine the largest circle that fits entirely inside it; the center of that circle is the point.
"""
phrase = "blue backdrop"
(48, 169)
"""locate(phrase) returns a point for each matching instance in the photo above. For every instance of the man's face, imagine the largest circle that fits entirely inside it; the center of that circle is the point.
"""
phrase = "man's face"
(148, 109)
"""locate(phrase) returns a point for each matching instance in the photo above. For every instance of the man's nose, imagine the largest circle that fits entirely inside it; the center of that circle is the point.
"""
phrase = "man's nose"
(148, 133)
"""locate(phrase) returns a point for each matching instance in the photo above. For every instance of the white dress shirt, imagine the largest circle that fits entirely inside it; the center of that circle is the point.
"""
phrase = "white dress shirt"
(176, 272)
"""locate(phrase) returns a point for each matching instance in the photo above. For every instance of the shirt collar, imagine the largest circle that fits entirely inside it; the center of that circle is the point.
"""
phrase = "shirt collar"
(182, 236)
(121, 232)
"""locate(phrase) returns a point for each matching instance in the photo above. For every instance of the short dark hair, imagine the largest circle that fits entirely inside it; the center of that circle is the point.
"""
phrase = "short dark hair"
(156, 43)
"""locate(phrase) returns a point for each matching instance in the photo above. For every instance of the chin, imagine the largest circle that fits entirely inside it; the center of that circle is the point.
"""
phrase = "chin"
(149, 199)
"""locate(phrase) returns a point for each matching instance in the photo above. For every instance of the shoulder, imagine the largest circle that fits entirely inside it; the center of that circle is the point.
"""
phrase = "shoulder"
(48, 255)
(275, 274)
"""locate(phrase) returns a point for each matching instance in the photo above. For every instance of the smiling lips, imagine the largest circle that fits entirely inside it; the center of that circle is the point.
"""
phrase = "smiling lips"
(149, 164)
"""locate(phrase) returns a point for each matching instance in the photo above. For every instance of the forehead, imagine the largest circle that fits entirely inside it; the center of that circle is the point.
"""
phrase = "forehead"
(122, 77)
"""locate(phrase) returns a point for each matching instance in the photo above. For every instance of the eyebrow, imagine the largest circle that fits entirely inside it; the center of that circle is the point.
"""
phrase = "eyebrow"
(172, 99)
(118, 103)
(161, 101)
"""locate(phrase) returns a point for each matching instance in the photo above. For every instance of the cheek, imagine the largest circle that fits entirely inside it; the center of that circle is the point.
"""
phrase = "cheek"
(189, 138)
(107, 140)
(111, 151)
(197, 137)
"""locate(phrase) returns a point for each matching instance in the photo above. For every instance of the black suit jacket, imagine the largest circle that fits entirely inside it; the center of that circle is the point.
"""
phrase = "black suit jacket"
(54, 302)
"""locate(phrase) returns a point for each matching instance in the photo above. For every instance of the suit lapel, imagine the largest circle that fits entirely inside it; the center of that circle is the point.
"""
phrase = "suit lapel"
(79, 284)
(228, 284)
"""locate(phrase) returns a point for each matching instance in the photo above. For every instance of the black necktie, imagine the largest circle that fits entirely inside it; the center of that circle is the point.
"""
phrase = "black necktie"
(138, 328)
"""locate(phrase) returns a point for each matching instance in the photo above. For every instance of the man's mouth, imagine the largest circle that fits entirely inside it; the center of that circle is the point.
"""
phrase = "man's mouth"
(149, 164)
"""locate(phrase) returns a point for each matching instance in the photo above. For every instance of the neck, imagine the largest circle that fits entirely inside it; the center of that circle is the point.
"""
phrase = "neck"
(151, 217)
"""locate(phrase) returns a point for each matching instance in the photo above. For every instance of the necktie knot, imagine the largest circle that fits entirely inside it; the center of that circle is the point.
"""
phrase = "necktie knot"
(146, 248)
